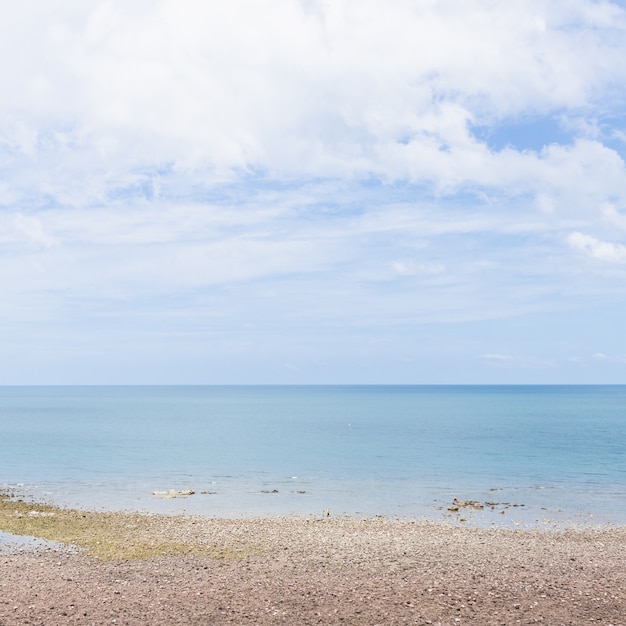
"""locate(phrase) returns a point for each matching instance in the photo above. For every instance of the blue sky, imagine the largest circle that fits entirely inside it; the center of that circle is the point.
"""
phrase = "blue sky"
(303, 191)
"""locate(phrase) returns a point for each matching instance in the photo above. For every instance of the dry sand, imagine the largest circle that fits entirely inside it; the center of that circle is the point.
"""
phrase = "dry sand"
(135, 569)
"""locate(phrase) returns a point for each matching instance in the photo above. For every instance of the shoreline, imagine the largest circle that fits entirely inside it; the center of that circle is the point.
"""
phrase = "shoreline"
(272, 502)
(162, 569)
(24, 516)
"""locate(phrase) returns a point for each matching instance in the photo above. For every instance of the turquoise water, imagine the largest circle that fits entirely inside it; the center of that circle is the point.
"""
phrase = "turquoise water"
(557, 452)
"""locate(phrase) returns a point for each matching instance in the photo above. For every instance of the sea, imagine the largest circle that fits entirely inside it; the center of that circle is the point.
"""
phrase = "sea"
(530, 455)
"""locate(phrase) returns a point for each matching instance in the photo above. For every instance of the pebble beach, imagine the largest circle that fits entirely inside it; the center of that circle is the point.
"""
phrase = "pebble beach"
(129, 568)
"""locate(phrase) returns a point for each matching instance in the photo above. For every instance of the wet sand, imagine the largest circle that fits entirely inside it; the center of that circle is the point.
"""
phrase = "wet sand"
(151, 569)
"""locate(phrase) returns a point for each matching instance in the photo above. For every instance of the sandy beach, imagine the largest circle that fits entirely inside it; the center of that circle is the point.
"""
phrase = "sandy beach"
(150, 569)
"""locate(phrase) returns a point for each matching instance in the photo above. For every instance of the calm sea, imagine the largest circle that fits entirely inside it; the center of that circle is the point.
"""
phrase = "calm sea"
(535, 452)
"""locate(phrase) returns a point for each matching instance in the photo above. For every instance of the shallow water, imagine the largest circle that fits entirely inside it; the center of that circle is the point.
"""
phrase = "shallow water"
(10, 543)
(407, 451)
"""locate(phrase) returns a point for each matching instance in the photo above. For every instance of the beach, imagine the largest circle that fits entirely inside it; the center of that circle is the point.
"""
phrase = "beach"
(134, 568)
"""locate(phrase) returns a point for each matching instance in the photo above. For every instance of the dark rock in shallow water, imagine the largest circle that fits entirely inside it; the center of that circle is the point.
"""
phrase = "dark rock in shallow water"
(471, 504)
(465, 504)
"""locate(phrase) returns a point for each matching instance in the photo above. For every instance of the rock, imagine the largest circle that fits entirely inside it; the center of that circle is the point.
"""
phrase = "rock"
(465, 504)
(470, 504)
(174, 493)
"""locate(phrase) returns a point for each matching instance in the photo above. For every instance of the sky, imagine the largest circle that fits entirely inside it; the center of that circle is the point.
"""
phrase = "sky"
(313, 192)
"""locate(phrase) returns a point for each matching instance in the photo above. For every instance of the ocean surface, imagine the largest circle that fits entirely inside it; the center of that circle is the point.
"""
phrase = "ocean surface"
(538, 454)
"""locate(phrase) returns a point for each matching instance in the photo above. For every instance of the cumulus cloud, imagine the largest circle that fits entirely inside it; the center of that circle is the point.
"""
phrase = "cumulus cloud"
(295, 89)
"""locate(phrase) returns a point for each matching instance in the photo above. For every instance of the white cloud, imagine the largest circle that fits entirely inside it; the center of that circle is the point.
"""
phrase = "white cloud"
(612, 215)
(409, 268)
(614, 358)
(308, 163)
(314, 89)
(518, 362)
(595, 248)
(32, 229)
(496, 357)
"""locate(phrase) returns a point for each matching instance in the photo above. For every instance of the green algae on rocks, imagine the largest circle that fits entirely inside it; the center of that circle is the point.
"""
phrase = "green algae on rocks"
(115, 535)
